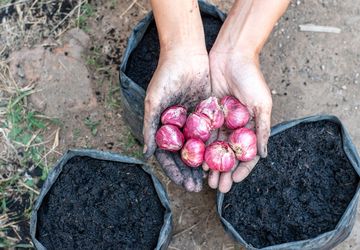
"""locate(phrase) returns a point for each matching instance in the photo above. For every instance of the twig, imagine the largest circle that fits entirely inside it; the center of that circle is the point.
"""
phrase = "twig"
(67, 16)
(175, 248)
(144, 10)
(79, 13)
(186, 230)
(30, 188)
(128, 8)
(10, 224)
(14, 3)
(13, 227)
(318, 28)
(31, 140)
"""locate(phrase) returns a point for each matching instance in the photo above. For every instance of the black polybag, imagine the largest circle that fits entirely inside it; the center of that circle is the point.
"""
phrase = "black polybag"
(342, 230)
(132, 94)
(165, 233)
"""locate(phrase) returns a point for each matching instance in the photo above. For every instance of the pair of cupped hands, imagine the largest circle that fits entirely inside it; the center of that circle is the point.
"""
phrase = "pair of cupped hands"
(186, 76)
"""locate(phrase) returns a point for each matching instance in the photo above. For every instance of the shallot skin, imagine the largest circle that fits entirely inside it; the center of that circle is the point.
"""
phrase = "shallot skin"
(174, 115)
(219, 156)
(236, 114)
(170, 138)
(212, 109)
(197, 126)
(192, 152)
(243, 142)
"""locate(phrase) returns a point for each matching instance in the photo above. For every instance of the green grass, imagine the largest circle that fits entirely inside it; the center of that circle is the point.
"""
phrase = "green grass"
(113, 4)
(27, 135)
(93, 59)
(92, 125)
(132, 148)
(112, 100)
(86, 11)
(3, 2)
(25, 131)
(76, 133)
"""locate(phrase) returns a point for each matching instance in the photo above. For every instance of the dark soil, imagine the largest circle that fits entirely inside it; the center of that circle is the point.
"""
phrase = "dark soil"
(97, 204)
(143, 60)
(298, 192)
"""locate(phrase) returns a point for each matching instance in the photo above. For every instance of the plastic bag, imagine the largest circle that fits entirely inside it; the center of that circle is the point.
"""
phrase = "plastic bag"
(165, 233)
(326, 240)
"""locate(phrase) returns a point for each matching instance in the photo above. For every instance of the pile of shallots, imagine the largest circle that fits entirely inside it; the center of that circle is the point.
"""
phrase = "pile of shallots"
(196, 130)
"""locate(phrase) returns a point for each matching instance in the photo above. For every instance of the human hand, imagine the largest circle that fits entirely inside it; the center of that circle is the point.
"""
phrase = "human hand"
(239, 75)
(182, 77)
(234, 67)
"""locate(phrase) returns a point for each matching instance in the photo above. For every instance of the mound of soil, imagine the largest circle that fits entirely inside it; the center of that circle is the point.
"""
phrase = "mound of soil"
(98, 204)
(143, 60)
(298, 192)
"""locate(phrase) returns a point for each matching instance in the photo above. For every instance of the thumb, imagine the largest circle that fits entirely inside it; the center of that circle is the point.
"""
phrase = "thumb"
(151, 123)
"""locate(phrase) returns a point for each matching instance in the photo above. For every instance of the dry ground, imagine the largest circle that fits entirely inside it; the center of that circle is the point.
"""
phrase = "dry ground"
(308, 72)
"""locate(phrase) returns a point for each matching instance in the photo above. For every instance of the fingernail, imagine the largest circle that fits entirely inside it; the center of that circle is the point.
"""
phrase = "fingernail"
(144, 149)
(264, 153)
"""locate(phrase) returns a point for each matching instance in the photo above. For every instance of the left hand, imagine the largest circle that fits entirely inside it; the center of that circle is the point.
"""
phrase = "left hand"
(182, 77)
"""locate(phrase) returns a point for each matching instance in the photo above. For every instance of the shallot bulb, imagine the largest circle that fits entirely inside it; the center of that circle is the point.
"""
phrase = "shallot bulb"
(236, 114)
(197, 126)
(192, 153)
(169, 137)
(174, 115)
(219, 156)
(243, 142)
(211, 108)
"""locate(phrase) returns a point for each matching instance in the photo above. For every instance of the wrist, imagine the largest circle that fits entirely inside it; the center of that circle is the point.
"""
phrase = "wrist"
(183, 52)
(241, 54)
(183, 45)
(248, 26)
(179, 25)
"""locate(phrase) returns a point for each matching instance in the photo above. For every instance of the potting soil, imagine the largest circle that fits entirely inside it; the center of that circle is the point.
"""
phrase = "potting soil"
(299, 191)
(97, 204)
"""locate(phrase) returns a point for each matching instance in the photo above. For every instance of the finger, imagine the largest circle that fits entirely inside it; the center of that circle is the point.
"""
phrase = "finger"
(262, 120)
(169, 166)
(151, 123)
(225, 182)
(244, 169)
(205, 166)
(198, 175)
(190, 184)
(213, 179)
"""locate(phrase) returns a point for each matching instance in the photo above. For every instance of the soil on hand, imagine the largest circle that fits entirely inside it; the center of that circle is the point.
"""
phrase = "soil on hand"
(298, 192)
(98, 204)
(143, 60)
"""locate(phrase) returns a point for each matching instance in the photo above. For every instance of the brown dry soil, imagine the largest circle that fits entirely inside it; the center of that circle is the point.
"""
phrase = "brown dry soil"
(308, 73)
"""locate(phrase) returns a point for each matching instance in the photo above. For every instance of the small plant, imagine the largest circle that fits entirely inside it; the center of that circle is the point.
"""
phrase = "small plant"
(76, 133)
(92, 125)
(111, 100)
(86, 11)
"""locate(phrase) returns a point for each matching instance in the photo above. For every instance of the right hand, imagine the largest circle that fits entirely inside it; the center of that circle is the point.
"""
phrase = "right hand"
(239, 75)
(181, 77)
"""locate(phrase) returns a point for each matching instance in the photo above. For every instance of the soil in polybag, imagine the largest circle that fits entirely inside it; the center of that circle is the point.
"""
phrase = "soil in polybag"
(97, 204)
(298, 192)
(143, 60)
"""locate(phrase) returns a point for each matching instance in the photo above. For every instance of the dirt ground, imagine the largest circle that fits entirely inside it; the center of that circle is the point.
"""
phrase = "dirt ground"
(308, 73)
